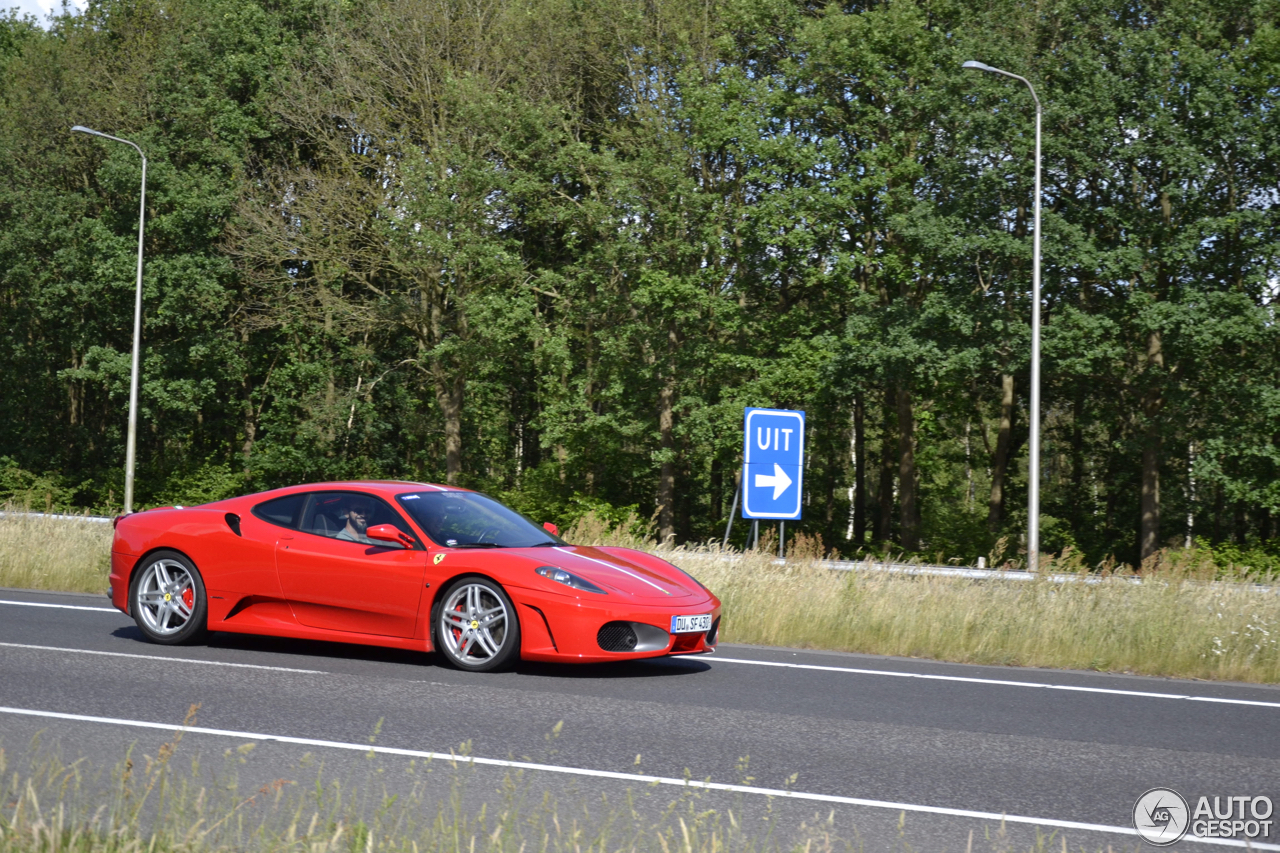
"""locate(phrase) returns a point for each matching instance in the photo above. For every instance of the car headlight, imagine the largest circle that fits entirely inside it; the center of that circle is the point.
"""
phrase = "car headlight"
(568, 579)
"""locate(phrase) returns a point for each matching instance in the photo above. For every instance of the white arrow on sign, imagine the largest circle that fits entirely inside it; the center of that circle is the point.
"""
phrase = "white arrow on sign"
(778, 479)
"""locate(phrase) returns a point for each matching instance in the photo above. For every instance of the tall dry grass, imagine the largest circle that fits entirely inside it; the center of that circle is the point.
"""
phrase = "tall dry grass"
(1173, 619)
(1168, 624)
(165, 802)
(1175, 622)
(54, 553)
(169, 802)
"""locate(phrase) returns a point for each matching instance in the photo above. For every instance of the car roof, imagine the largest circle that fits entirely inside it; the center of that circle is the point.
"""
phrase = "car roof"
(383, 488)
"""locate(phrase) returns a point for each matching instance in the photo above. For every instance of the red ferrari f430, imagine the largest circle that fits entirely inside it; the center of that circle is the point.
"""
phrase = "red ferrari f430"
(405, 565)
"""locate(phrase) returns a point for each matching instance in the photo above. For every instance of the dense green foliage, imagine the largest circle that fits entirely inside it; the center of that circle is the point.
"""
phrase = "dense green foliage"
(551, 248)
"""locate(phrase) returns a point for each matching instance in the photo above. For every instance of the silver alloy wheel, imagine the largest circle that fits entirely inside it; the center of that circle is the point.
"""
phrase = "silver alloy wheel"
(166, 596)
(473, 624)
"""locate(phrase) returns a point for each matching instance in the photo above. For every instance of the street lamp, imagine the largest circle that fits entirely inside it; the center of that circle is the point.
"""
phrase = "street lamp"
(1033, 486)
(137, 324)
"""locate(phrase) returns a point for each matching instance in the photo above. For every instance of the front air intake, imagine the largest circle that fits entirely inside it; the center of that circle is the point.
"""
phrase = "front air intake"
(616, 637)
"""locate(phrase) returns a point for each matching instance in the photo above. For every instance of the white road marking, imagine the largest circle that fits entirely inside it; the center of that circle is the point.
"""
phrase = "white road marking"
(162, 659)
(999, 682)
(624, 777)
(61, 606)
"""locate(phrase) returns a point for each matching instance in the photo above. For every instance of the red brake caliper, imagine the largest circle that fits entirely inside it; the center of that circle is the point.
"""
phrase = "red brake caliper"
(189, 598)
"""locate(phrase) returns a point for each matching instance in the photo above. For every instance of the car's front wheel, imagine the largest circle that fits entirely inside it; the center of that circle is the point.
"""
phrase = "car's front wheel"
(168, 601)
(476, 627)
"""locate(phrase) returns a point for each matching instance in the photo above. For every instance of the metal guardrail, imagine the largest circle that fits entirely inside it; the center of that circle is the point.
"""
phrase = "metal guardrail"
(974, 573)
(94, 518)
(1019, 575)
(971, 572)
(954, 571)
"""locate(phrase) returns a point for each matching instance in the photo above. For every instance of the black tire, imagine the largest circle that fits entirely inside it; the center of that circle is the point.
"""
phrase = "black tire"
(168, 600)
(474, 626)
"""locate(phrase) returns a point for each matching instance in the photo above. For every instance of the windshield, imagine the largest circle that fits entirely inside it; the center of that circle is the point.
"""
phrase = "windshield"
(470, 520)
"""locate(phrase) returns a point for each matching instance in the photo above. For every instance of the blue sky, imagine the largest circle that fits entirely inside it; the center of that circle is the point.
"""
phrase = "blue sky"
(39, 8)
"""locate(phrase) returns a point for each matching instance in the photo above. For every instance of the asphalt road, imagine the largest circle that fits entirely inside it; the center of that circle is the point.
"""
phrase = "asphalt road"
(892, 750)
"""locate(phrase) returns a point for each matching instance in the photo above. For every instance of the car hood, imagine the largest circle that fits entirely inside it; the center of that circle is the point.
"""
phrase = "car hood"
(619, 571)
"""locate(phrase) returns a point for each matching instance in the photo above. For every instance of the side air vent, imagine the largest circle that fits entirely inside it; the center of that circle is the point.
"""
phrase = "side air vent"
(714, 634)
(233, 521)
(616, 637)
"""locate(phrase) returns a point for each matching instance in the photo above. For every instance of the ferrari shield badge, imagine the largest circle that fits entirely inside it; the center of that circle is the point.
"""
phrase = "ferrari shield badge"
(438, 558)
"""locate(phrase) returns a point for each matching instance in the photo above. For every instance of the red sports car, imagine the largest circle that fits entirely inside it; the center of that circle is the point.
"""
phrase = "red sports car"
(405, 565)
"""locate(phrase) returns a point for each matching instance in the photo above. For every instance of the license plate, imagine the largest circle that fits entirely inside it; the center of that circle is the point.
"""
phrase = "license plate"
(690, 624)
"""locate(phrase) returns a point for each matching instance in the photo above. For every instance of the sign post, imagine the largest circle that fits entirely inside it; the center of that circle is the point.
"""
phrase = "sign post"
(772, 465)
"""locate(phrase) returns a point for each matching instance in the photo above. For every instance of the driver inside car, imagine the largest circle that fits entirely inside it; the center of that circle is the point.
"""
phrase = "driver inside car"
(358, 513)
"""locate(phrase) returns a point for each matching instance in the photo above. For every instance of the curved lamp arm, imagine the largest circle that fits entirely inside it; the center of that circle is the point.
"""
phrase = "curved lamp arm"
(137, 322)
(1033, 486)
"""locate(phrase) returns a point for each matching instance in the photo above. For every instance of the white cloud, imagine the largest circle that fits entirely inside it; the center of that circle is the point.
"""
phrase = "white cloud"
(41, 9)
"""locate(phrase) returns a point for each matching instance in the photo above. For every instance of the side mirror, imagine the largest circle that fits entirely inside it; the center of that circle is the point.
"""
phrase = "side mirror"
(551, 528)
(389, 533)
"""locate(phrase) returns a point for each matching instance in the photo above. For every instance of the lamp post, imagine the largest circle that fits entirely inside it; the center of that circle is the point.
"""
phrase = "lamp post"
(1033, 485)
(137, 325)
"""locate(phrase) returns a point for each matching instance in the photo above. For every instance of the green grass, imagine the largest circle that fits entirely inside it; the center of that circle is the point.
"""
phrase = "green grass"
(1174, 623)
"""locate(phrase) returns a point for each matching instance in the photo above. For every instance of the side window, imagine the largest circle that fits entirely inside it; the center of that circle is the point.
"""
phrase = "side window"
(347, 515)
(281, 511)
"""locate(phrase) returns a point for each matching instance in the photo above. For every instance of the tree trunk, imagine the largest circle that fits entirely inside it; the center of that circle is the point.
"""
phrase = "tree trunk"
(449, 392)
(1273, 519)
(859, 473)
(1078, 497)
(1000, 464)
(448, 378)
(250, 421)
(717, 491)
(667, 473)
(250, 434)
(330, 387)
(75, 395)
(910, 513)
(829, 483)
(1149, 537)
(884, 519)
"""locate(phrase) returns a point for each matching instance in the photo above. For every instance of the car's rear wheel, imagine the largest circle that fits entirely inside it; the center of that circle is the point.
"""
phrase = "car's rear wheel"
(476, 628)
(168, 601)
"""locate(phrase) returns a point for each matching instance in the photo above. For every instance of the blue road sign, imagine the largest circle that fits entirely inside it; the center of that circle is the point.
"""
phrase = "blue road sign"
(772, 463)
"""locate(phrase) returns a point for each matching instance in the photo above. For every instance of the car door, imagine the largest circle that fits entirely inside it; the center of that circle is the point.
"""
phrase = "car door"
(338, 584)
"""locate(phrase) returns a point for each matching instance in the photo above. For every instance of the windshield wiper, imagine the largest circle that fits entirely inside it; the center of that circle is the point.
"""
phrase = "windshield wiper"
(479, 545)
(542, 545)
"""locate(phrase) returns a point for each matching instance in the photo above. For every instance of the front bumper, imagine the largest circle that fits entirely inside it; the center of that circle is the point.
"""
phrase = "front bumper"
(564, 628)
